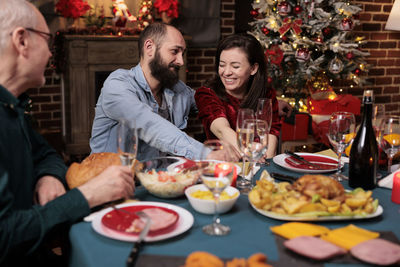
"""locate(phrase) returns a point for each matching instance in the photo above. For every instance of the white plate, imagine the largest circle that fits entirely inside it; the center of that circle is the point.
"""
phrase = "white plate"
(283, 217)
(184, 223)
(280, 160)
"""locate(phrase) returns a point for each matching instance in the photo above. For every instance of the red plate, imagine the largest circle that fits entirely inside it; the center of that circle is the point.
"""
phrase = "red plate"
(122, 222)
(323, 163)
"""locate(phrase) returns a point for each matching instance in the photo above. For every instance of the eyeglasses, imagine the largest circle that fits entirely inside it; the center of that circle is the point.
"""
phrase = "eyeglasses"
(50, 36)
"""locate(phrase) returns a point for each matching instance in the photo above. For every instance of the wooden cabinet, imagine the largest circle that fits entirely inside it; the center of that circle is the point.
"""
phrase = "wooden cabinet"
(90, 59)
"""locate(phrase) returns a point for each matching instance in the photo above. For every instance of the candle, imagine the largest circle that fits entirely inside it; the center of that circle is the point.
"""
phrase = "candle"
(396, 188)
(222, 169)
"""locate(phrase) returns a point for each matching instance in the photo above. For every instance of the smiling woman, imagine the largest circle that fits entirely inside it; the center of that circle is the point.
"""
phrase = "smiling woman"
(241, 81)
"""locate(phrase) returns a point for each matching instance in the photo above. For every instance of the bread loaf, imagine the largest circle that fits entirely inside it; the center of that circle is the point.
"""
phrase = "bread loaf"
(91, 166)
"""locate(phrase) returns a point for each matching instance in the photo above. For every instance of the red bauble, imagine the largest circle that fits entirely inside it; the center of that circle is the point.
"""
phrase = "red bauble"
(346, 25)
(265, 30)
(254, 12)
(327, 31)
(298, 9)
(349, 55)
(302, 55)
(269, 80)
(284, 38)
(284, 8)
(357, 72)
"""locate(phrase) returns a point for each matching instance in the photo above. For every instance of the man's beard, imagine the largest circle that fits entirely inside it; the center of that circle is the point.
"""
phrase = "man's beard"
(167, 78)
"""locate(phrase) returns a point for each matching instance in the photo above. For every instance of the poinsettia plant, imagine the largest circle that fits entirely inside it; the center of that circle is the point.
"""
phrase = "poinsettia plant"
(72, 8)
(168, 6)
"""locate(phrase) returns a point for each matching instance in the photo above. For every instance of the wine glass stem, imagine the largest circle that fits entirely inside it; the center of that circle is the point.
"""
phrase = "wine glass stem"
(216, 214)
(390, 159)
(340, 152)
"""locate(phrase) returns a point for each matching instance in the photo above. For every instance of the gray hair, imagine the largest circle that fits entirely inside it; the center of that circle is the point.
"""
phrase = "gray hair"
(13, 14)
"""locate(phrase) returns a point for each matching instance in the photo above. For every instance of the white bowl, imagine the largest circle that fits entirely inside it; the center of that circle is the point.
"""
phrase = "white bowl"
(207, 206)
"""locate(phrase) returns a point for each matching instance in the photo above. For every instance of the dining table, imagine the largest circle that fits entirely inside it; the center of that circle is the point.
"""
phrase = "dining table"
(250, 234)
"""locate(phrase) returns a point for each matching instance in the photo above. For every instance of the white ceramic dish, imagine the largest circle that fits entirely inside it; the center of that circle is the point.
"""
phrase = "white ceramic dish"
(280, 160)
(207, 206)
(184, 223)
(283, 217)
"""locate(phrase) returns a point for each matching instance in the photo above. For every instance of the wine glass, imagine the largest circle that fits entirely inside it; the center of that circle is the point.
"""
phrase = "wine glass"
(127, 142)
(216, 177)
(253, 140)
(341, 132)
(390, 137)
(378, 114)
(264, 112)
(243, 114)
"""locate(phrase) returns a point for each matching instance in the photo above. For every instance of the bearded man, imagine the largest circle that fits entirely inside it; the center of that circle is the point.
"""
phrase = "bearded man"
(150, 95)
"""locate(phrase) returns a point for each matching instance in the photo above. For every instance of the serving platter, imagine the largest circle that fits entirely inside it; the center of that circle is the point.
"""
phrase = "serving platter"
(183, 224)
(313, 217)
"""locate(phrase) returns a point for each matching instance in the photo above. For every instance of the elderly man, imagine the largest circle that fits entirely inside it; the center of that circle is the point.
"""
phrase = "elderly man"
(151, 95)
(29, 168)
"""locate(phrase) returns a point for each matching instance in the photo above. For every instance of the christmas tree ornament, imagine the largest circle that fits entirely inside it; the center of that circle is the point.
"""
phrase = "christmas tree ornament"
(284, 38)
(265, 30)
(298, 9)
(302, 54)
(357, 72)
(346, 24)
(291, 24)
(284, 8)
(254, 13)
(269, 79)
(335, 66)
(349, 55)
(327, 31)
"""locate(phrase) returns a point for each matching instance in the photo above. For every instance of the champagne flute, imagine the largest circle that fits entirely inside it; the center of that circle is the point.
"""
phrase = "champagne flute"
(264, 112)
(216, 177)
(341, 132)
(127, 142)
(390, 137)
(254, 140)
(243, 114)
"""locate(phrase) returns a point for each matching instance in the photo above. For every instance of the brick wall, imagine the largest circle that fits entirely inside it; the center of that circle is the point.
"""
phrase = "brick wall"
(384, 47)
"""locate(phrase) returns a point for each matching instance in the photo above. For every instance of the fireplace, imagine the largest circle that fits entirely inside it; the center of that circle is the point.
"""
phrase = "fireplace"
(90, 59)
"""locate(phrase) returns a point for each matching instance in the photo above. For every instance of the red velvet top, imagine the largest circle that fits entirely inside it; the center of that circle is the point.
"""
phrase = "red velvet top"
(212, 107)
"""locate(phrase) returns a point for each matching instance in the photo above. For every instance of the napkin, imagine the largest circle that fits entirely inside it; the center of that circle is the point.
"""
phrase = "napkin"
(387, 181)
(349, 236)
(331, 153)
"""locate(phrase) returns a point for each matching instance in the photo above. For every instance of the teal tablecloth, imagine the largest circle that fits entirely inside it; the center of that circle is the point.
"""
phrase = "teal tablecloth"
(250, 233)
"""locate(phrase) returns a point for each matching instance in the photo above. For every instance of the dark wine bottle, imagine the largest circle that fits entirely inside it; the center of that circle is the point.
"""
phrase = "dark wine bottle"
(364, 150)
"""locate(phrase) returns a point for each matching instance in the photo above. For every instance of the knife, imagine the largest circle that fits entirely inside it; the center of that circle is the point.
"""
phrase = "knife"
(283, 177)
(138, 244)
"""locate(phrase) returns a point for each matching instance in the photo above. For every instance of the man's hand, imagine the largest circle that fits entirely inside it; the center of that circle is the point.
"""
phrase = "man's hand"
(48, 188)
(113, 183)
(284, 108)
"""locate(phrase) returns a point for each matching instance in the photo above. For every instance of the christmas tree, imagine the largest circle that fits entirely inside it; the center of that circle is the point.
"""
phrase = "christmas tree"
(309, 43)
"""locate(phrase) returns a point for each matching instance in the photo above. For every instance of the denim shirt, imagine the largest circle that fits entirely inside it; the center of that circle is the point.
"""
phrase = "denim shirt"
(127, 96)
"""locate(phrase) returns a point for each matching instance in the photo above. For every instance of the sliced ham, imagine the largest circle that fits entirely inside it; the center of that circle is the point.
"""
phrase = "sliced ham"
(313, 247)
(377, 251)
(160, 219)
